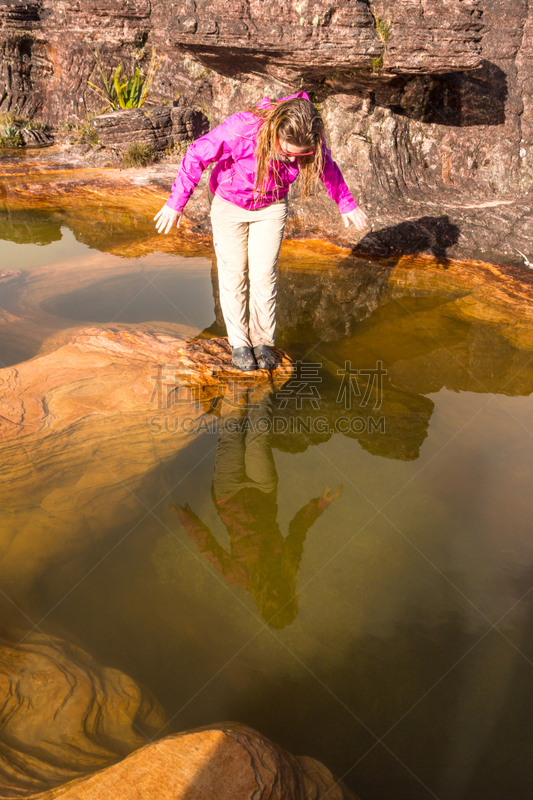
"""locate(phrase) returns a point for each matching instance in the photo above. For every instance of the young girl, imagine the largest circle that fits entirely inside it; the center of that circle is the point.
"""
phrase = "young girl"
(258, 154)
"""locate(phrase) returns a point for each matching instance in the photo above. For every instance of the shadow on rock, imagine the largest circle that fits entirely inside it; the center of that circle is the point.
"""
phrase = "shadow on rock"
(413, 237)
(459, 99)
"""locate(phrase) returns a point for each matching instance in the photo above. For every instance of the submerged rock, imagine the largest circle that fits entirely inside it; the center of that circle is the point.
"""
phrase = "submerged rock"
(63, 715)
(223, 762)
(101, 417)
(70, 728)
(36, 395)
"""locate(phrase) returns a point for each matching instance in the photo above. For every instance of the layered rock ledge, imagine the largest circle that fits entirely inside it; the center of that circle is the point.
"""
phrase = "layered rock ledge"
(160, 127)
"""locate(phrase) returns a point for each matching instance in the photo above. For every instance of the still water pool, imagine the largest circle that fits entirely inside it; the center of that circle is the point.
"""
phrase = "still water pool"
(363, 595)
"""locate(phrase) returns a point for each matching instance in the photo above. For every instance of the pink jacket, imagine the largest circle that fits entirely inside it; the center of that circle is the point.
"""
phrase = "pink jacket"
(231, 145)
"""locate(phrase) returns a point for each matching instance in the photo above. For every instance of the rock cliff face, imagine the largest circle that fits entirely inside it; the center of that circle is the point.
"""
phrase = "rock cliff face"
(313, 40)
(428, 103)
(47, 59)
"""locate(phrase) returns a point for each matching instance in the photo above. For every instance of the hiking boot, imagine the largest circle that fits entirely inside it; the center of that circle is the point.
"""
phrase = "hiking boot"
(265, 357)
(243, 358)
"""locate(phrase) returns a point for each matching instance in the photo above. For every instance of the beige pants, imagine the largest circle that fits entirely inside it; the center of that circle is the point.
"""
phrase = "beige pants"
(247, 246)
(244, 455)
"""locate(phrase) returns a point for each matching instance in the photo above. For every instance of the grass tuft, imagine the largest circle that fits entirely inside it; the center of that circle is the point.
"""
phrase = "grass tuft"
(86, 134)
(138, 154)
(176, 152)
(383, 28)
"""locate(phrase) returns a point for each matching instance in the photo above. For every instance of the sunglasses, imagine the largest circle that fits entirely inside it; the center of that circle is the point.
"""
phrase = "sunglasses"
(294, 155)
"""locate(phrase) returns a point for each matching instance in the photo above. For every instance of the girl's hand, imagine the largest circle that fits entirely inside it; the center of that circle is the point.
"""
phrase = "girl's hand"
(329, 496)
(357, 216)
(166, 218)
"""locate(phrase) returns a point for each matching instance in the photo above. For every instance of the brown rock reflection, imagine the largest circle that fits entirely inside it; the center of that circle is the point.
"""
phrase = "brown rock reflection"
(76, 427)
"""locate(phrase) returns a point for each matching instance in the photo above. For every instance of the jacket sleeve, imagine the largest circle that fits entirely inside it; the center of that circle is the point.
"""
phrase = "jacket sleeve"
(204, 151)
(301, 523)
(200, 534)
(196, 529)
(335, 184)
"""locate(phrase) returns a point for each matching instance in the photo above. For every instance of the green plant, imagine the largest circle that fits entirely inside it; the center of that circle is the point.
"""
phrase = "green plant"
(10, 131)
(86, 134)
(7, 139)
(203, 74)
(10, 118)
(37, 125)
(14, 119)
(383, 28)
(125, 92)
(10, 126)
(138, 154)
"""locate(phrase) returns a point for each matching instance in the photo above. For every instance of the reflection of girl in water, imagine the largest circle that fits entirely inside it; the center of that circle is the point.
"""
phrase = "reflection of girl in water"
(244, 491)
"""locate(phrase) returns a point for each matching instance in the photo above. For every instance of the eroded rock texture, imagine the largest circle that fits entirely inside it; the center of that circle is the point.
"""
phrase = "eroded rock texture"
(107, 386)
(63, 715)
(285, 40)
(428, 103)
(289, 41)
(226, 762)
(313, 39)
(159, 127)
(73, 729)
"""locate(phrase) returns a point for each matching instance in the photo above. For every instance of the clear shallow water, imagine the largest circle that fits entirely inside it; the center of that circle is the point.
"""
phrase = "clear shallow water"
(399, 650)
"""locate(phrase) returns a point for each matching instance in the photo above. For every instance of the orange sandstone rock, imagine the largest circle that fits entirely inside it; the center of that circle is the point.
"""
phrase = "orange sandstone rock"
(225, 762)
(70, 728)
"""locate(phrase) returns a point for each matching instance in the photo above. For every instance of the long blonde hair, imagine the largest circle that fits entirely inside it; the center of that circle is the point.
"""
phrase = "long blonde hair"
(297, 122)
